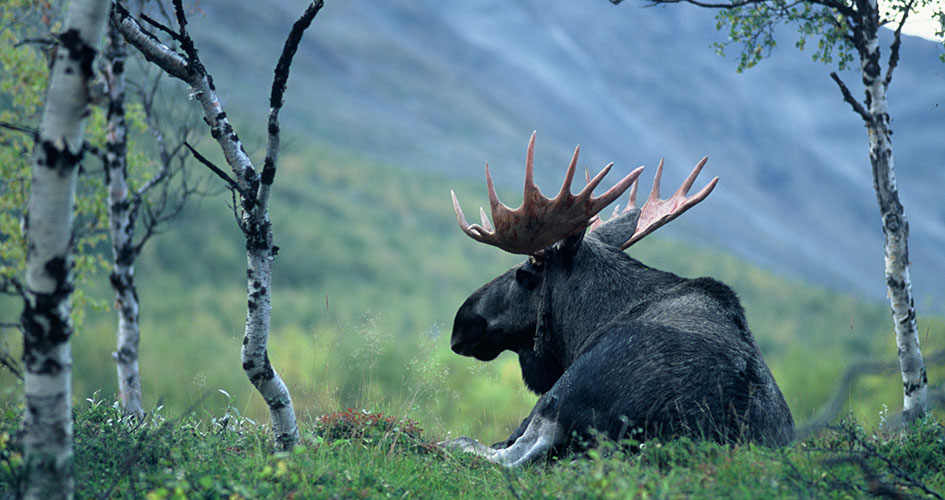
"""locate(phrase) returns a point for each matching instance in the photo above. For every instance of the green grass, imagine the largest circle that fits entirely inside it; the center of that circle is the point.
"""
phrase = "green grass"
(357, 454)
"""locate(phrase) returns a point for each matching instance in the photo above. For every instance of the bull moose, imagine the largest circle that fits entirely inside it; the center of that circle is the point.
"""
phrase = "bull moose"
(609, 344)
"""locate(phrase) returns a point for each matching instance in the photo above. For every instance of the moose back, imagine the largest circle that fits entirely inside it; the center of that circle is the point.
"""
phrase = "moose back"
(609, 343)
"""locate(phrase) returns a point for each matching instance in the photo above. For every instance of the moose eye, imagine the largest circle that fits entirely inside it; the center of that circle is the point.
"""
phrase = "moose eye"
(528, 276)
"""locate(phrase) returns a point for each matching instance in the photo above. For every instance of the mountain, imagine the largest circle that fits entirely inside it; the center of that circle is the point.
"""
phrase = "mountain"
(444, 85)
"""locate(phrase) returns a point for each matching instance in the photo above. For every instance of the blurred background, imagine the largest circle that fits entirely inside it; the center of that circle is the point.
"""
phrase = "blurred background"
(392, 104)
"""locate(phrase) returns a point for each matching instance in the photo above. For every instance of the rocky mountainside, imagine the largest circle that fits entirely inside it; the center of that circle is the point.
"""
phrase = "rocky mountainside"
(445, 85)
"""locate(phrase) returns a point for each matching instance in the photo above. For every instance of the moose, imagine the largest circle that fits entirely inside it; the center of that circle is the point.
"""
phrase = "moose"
(613, 347)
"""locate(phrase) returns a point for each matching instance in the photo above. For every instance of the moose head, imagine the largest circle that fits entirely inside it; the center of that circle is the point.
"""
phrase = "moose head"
(610, 344)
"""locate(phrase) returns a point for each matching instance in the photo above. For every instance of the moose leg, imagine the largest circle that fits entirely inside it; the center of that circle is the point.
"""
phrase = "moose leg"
(517, 433)
(539, 437)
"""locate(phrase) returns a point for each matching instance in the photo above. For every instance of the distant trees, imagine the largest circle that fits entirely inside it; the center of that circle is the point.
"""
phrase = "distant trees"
(848, 30)
(251, 187)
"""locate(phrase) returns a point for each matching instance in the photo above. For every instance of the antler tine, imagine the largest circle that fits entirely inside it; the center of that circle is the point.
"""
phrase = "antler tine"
(655, 192)
(633, 195)
(498, 208)
(471, 229)
(569, 177)
(656, 212)
(589, 188)
(687, 184)
(613, 193)
(485, 221)
(531, 191)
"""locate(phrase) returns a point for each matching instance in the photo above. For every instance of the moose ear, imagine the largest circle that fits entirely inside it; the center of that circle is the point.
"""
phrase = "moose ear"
(618, 229)
(570, 245)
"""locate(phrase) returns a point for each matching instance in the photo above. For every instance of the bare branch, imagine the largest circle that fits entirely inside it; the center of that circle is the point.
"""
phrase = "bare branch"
(276, 97)
(897, 42)
(831, 408)
(149, 45)
(848, 97)
(9, 361)
(45, 42)
(32, 132)
(835, 4)
(154, 22)
(215, 169)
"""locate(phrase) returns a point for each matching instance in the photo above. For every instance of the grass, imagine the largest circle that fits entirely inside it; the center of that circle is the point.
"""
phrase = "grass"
(361, 454)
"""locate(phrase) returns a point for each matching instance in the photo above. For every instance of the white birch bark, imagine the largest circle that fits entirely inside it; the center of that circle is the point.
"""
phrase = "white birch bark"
(255, 224)
(47, 327)
(121, 226)
(895, 225)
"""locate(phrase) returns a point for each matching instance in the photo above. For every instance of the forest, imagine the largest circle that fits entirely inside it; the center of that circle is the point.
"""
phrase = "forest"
(368, 271)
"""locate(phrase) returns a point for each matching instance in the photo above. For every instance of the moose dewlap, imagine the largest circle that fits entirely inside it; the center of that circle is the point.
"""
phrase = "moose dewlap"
(610, 344)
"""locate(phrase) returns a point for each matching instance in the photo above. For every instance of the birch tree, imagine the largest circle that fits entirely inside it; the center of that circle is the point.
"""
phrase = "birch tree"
(128, 205)
(251, 187)
(46, 323)
(847, 32)
(26, 48)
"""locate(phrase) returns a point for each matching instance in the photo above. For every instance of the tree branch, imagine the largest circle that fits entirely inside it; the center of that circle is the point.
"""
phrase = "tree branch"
(154, 22)
(839, 5)
(32, 132)
(9, 361)
(150, 47)
(848, 97)
(276, 99)
(897, 42)
(215, 169)
(831, 408)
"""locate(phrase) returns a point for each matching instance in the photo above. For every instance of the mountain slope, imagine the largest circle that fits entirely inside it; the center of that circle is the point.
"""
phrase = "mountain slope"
(446, 85)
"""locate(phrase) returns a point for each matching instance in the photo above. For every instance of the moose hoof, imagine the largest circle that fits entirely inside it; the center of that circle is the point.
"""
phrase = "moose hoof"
(467, 444)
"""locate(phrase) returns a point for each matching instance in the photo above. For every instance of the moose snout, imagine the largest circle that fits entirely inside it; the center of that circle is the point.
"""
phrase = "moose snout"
(469, 328)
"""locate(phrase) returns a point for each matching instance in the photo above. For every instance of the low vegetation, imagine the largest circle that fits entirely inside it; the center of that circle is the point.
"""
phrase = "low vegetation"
(362, 454)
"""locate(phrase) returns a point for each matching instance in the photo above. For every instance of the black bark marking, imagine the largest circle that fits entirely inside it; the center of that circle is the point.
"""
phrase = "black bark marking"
(911, 387)
(78, 51)
(910, 316)
(60, 158)
(269, 172)
(264, 375)
(126, 354)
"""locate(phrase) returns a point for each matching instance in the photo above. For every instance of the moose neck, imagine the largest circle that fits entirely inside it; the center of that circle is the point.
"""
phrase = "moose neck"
(587, 291)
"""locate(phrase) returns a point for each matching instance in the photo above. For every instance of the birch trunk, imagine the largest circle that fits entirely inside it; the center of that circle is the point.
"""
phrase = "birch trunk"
(253, 191)
(47, 326)
(121, 226)
(895, 226)
(254, 354)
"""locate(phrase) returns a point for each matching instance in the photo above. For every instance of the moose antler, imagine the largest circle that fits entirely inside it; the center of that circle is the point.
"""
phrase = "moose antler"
(656, 212)
(541, 221)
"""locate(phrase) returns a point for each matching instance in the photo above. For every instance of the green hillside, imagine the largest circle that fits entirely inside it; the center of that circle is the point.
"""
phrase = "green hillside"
(370, 271)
